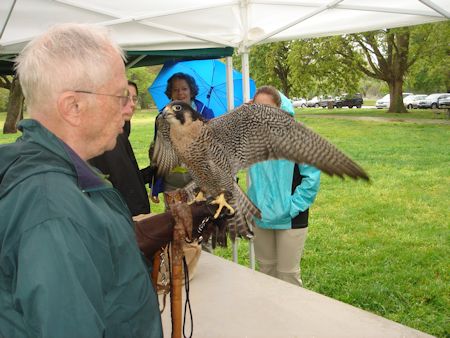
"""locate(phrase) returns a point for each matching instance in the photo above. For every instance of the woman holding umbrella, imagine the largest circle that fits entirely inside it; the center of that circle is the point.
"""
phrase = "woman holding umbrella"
(183, 87)
(180, 86)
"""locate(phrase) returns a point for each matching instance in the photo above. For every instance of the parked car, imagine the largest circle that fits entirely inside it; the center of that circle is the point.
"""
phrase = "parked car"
(326, 100)
(385, 101)
(349, 101)
(444, 102)
(431, 101)
(314, 102)
(298, 102)
(412, 101)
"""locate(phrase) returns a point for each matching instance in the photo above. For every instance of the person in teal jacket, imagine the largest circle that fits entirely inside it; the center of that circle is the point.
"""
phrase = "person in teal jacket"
(70, 265)
(283, 191)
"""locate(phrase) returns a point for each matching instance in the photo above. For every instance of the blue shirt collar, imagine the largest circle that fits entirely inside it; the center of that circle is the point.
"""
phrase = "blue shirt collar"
(89, 178)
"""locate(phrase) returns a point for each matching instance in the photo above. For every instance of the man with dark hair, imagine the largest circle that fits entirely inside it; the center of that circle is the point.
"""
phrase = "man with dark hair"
(120, 165)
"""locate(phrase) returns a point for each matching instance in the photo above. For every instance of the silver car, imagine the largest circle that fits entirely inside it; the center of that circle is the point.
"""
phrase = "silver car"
(444, 102)
(412, 101)
(298, 102)
(385, 101)
(431, 101)
(314, 102)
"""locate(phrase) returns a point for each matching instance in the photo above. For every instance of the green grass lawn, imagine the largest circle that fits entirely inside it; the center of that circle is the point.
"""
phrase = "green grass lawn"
(384, 246)
(370, 102)
(437, 114)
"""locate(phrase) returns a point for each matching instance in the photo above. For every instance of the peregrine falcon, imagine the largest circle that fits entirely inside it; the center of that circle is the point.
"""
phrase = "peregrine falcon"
(215, 150)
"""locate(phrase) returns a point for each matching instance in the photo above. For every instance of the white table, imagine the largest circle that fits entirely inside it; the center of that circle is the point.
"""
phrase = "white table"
(229, 300)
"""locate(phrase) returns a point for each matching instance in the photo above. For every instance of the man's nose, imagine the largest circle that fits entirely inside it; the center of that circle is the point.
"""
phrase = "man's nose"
(127, 109)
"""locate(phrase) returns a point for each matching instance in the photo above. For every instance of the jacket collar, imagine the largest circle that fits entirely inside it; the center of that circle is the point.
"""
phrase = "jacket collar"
(88, 177)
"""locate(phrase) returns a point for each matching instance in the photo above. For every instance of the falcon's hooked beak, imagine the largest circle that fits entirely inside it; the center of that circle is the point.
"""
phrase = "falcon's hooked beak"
(173, 111)
(166, 111)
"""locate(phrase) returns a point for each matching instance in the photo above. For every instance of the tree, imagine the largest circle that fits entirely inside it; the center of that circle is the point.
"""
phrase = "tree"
(431, 72)
(143, 77)
(304, 67)
(279, 66)
(269, 66)
(316, 68)
(389, 55)
(4, 94)
(14, 112)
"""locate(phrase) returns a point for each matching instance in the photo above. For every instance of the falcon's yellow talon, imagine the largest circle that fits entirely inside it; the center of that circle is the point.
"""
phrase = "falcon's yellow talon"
(199, 198)
(221, 201)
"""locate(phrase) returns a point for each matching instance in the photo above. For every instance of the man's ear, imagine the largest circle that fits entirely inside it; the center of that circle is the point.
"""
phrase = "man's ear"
(70, 107)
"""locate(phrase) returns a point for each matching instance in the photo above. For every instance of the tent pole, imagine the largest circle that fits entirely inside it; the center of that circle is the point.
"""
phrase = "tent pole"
(323, 8)
(230, 83)
(7, 18)
(436, 8)
(132, 63)
(245, 77)
(230, 106)
(246, 98)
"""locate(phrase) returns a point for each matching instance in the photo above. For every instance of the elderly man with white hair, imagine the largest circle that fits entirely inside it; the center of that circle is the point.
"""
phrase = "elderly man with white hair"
(70, 265)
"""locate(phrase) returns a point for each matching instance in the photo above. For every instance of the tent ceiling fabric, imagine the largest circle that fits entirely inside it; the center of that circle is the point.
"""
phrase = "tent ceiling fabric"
(143, 25)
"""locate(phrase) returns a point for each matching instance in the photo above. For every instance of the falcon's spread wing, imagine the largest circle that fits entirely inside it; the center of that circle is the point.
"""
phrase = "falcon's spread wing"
(253, 133)
(164, 156)
(214, 151)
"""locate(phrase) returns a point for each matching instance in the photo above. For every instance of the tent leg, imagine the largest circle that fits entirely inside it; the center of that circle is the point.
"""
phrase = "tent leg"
(235, 251)
(251, 250)
(245, 77)
(230, 87)
(246, 96)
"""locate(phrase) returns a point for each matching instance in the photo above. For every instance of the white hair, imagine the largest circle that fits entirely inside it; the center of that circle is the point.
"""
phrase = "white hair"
(66, 57)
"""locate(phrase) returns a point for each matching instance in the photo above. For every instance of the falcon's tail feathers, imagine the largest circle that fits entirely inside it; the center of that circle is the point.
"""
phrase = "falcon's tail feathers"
(246, 211)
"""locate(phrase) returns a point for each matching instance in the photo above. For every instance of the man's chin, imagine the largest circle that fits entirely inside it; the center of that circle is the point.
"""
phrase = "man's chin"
(111, 145)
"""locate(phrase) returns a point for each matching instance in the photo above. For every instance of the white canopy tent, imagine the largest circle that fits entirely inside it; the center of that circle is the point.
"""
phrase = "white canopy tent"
(189, 24)
(152, 25)
(140, 25)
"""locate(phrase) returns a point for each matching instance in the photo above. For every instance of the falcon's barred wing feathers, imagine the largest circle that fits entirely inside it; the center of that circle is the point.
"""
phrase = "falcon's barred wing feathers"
(164, 156)
(253, 133)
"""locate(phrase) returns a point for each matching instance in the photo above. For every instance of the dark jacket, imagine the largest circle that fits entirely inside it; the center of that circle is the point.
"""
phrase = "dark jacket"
(207, 113)
(69, 262)
(121, 168)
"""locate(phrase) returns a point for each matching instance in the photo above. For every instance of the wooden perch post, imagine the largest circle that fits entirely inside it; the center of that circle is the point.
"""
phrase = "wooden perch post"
(183, 222)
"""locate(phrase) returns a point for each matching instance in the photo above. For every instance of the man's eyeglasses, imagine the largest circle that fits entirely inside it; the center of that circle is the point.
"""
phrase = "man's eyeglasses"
(135, 99)
(124, 99)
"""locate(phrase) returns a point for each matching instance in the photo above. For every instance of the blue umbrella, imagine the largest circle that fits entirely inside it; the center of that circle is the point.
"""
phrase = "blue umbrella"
(210, 76)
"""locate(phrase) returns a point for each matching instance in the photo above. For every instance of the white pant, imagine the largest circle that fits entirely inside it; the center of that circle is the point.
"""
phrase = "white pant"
(279, 252)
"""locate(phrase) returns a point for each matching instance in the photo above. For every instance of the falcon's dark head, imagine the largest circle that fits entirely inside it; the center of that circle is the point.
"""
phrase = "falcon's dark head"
(180, 112)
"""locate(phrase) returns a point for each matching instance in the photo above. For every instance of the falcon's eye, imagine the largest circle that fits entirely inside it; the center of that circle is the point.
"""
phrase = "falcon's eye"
(176, 107)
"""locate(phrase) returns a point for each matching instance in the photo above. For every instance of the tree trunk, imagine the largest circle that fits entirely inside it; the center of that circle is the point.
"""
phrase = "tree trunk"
(399, 67)
(15, 108)
(285, 88)
(282, 73)
(396, 93)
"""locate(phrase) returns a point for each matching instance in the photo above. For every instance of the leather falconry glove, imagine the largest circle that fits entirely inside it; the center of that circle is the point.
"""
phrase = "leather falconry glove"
(155, 231)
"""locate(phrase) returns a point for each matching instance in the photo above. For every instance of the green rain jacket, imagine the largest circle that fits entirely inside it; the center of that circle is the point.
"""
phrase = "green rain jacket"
(69, 262)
